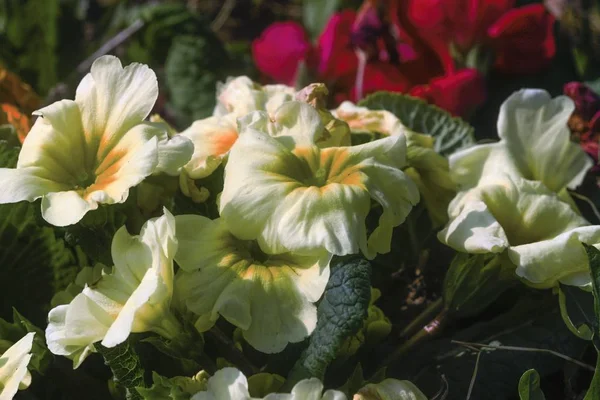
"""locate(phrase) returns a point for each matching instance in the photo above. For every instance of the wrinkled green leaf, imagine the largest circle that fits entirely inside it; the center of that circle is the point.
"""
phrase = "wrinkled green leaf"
(13, 332)
(316, 13)
(451, 133)
(529, 386)
(35, 263)
(194, 66)
(474, 281)
(176, 388)
(340, 314)
(126, 367)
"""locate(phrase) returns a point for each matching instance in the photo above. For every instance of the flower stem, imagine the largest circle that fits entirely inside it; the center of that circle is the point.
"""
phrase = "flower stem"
(231, 352)
(422, 318)
(432, 329)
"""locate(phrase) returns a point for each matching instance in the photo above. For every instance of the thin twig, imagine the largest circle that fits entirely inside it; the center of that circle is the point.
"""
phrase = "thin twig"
(589, 203)
(481, 346)
(442, 394)
(472, 384)
(223, 15)
(115, 41)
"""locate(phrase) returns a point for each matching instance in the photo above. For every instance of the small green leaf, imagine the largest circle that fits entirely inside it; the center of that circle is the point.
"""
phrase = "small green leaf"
(451, 133)
(474, 281)
(316, 13)
(529, 386)
(11, 333)
(340, 314)
(126, 367)
(176, 388)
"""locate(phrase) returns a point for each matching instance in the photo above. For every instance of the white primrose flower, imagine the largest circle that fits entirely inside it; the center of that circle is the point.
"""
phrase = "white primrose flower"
(534, 144)
(269, 297)
(292, 196)
(540, 232)
(390, 389)
(214, 136)
(14, 374)
(92, 150)
(241, 95)
(231, 384)
(135, 297)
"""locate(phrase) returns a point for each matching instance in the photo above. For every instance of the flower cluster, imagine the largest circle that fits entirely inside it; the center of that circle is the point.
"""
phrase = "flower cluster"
(514, 198)
(438, 50)
(296, 191)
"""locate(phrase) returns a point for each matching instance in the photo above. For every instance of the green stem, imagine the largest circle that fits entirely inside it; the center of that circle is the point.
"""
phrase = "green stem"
(432, 329)
(423, 318)
(232, 353)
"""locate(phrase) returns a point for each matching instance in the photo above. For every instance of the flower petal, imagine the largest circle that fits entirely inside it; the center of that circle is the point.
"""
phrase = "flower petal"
(113, 99)
(65, 208)
(13, 367)
(212, 137)
(558, 259)
(534, 127)
(225, 384)
(280, 49)
(173, 154)
(26, 184)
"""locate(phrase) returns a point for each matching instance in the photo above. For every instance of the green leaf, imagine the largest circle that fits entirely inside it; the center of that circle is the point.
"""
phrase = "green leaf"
(41, 357)
(193, 67)
(316, 13)
(474, 281)
(357, 380)
(593, 255)
(340, 314)
(451, 133)
(529, 386)
(126, 367)
(533, 322)
(187, 348)
(176, 388)
(35, 263)
(577, 310)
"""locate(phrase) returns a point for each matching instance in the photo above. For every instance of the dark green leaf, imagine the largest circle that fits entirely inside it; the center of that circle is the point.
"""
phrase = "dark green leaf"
(451, 133)
(474, 281)
(35, 263)
(126, 367)
(529, 386)
(316, 13)
(340, 314)
(194, 66)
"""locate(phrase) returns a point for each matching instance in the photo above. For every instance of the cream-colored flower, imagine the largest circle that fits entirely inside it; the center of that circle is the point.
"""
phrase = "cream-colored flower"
(292, 196)
(214, 136)
(269, 297)
(540, 232)
(428, 169)
(534, 144)
(240, 96)
(390, 389)
(91, 151)
(231, 384)
(135, 297)
(14, 374)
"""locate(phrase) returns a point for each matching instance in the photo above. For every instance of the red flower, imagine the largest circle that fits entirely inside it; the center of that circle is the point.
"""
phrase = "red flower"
(521, 37)
(584, 123)
(523, 40)
(280, 49)
(460, 93)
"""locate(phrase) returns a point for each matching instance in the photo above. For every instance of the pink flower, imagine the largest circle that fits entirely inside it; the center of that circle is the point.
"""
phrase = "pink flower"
(459, 93)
